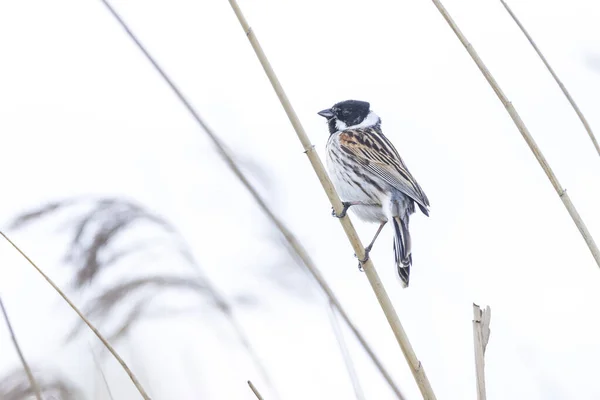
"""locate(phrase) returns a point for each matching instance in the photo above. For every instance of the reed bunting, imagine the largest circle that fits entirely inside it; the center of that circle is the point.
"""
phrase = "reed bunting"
(371, 177)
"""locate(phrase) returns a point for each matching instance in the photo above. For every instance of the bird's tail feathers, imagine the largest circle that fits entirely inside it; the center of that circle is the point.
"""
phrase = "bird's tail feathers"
(402, 249)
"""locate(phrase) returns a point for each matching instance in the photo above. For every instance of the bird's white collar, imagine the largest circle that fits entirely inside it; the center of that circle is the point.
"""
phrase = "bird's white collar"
(371, 120)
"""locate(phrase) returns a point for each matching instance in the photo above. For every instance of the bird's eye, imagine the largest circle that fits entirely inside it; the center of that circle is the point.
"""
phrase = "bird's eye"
(346, 112)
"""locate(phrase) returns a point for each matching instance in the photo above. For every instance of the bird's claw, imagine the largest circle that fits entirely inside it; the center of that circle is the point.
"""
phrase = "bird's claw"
(334, 214)
(344, 210)
(364, 259)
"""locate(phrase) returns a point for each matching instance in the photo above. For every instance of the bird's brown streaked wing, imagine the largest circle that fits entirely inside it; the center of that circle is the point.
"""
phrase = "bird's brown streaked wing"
(377, 154)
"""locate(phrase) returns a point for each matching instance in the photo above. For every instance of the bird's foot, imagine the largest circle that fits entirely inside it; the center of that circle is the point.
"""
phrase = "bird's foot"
(346, 205)
(364, 259)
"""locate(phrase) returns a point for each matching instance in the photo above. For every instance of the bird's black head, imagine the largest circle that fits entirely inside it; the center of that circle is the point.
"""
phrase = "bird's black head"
(349, 113)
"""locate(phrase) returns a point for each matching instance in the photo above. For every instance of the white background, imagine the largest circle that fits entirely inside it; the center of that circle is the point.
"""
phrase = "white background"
(82, 112)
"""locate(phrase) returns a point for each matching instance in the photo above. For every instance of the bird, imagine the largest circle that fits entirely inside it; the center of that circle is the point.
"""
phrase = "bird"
(371, 177)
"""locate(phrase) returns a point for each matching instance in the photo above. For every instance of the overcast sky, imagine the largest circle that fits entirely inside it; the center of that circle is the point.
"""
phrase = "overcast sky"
(82, 112)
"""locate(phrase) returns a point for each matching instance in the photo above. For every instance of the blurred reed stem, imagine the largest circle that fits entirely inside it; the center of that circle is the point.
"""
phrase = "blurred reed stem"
(562, 193)
(32, 382)
(339, 336)
(84, 319)
(237, 327)
(102, 375)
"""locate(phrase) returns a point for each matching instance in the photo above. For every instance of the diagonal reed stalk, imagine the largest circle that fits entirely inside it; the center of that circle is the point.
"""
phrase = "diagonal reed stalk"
(562, 193)
(32, 382)
(384, 300)
(83, 318)
(586, 125)
(293, 242)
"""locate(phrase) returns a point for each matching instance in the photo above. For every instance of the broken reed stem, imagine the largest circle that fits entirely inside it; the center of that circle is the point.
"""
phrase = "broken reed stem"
(562, 193)
(232, 319)
(32, 382)
(255, 391)
(83, 318)
(415, 365)
(481, 336)
(586, 125)
(281, 227)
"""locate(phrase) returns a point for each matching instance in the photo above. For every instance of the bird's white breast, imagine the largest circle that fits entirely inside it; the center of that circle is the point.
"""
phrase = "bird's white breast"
(341, 178)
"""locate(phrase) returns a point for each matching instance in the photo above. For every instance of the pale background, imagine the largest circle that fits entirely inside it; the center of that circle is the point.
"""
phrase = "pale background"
(82, 112)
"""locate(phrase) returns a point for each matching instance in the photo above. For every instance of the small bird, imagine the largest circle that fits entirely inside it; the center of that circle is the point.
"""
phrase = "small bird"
(371, 177)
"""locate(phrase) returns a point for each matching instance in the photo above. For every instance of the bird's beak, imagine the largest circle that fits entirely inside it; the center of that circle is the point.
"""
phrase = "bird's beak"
(326, 113)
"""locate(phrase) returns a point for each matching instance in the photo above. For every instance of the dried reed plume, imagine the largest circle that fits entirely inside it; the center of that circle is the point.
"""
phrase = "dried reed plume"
(16, 386)
(83, 318)
(96, 247)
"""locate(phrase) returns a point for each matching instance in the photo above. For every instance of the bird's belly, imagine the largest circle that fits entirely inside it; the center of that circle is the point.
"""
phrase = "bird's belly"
(355, 190)
(369, 213)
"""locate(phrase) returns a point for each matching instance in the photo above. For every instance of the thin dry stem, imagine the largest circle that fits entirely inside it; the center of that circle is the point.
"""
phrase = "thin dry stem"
(339, 336)
(586, 125)
(285, 232)
(255, 390)
(238, 329)
(83, 318)
(384, 301)
(481, 336)
(32, 382)
(102, 375)
(562, 193)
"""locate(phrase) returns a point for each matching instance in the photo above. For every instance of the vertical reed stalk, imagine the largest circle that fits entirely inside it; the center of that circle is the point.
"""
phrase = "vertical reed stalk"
(481, 336)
